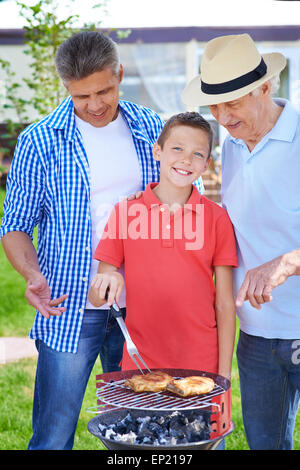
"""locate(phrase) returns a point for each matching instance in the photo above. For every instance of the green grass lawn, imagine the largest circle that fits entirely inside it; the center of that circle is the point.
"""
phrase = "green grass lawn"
(15, 314)
(17, 379)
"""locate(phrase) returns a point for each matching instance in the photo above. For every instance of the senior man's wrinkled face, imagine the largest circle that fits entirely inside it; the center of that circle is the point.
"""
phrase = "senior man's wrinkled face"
(96, 97)
(244, 118)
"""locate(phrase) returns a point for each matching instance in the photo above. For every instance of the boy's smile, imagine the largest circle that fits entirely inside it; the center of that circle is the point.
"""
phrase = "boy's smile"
(182, 172)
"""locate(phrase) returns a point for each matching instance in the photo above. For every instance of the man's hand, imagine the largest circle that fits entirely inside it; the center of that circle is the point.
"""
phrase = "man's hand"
(137, 195)
(39, 296)
(21, 254)
(259, 282)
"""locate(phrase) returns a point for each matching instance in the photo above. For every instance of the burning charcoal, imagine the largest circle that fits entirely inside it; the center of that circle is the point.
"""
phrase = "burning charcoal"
(139, 439)
(162, 440)
(102, 429)
(183, 419)
(174, 419)
(128, 419)
(191, 434)
(177, 431)
(127, 424)
(198, 425)
(131, 427)
(147, 440)
(175, 428)
(178, 419)
(155, 429)
(145, 437)
(129, 437)
(177, 434)
(120, 427)
(195, 432)
(142, 423)
(110, 434)
(204, 422)
(194, 415)
(166, 422)
(158, 419)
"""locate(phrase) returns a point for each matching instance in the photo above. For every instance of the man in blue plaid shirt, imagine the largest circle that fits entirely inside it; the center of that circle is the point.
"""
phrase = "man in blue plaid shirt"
(68, 171)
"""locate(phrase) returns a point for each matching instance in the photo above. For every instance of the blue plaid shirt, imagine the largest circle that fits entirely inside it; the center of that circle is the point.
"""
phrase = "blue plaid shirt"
(49, 185)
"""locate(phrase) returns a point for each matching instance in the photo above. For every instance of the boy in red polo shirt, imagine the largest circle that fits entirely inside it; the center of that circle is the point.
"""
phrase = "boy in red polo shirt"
(178, 250)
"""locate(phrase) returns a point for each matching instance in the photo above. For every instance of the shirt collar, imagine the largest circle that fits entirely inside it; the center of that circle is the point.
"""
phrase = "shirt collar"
(285, 127)
(63, 118)
(127, 111)
(151, 200)
(131, 115)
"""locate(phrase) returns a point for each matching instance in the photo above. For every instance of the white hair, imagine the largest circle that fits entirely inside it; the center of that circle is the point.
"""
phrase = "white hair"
(274, 83)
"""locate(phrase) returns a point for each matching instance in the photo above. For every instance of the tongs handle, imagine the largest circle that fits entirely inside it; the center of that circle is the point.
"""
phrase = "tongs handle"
(131, 347)
(114, 308)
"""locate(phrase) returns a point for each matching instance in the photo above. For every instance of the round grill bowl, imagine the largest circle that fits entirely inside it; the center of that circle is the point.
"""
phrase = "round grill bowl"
(110, 417)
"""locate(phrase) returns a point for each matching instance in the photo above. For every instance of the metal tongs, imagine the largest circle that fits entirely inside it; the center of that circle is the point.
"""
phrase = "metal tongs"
(131, 347)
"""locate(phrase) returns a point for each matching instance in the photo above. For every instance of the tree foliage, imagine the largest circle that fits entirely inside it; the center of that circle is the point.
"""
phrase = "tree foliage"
(44, 32)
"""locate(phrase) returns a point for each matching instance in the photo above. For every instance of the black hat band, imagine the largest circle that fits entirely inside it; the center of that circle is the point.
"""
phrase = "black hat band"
(236, 83)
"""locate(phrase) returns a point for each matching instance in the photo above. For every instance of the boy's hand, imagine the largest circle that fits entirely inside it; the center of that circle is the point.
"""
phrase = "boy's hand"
(102, 281)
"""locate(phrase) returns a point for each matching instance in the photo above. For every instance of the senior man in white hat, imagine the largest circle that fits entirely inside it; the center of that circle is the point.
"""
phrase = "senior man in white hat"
(261, 192)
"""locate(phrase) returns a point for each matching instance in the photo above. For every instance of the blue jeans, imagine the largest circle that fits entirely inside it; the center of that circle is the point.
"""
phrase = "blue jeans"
(269, 372)
(61, 379)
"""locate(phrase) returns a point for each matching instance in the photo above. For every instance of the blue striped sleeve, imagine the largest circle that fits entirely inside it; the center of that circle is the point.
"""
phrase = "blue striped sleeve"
(24, 190)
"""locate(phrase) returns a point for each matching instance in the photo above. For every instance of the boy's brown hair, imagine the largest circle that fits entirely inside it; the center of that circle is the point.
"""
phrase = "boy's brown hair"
(189, 119)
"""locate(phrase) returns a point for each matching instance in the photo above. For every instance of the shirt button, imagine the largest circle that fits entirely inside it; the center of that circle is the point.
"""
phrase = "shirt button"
(84, 279)
(162, 209)
(168, 226)
(81, 310)
(87, 248)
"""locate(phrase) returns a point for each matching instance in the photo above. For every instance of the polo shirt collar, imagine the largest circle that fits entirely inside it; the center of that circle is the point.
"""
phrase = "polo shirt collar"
(151, 200)
(284, 129)
(286, 125)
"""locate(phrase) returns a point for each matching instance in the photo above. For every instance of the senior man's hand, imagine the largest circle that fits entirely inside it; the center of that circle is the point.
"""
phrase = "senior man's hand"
(260, 282)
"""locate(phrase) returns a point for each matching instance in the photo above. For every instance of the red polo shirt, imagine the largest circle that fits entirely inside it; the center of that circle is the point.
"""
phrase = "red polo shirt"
(169, 264)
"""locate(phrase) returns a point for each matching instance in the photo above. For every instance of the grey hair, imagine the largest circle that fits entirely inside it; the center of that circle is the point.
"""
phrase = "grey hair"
(84, 54)
(274, 83)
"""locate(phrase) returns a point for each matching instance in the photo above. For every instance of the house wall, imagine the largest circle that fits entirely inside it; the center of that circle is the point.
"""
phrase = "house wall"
(20, 66)
(189, 42)
(159, 62)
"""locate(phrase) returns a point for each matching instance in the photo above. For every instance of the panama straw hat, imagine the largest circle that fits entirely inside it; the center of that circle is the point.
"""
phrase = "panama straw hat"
(231, 67)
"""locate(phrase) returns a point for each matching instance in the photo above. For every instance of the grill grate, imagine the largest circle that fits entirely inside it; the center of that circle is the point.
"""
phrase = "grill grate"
(116, 394)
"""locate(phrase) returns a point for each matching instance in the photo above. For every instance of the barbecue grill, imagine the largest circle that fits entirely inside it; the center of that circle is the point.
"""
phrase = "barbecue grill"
(114, 401)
